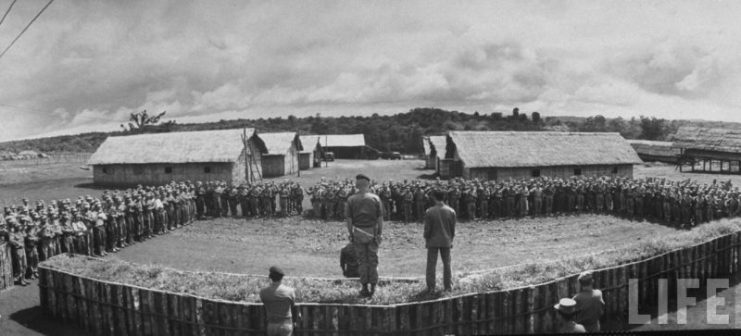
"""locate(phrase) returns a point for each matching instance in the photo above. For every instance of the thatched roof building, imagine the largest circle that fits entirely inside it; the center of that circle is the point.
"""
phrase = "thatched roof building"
(159, 158)
(311, 155)
(347, 146)
(502, 155)
(282, 156)
(434, 147)
(710, 149)
(661, 151)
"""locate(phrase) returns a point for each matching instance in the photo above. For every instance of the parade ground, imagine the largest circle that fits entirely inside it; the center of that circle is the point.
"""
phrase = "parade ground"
(307, 247)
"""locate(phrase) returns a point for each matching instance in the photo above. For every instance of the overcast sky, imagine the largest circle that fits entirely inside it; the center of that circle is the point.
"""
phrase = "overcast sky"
(86, 64)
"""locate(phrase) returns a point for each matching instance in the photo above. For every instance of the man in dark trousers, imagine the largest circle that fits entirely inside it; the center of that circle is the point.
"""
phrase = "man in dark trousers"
(439, 233)
(589, 303)
(280, 305)
(364, 217)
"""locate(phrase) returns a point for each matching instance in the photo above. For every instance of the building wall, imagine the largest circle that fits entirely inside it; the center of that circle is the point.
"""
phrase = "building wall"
(430, 161)
(239, 171)
(557, 171)
(155, 174)
(306, 160)
(357, 153)
(291, 161)
(273, 165)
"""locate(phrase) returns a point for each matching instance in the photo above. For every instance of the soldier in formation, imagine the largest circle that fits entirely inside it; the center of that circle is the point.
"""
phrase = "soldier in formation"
(101, 225)
(680, 204)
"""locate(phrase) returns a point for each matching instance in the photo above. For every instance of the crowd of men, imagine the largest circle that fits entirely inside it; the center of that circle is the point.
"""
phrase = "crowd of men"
(101, 225)
(677, 203)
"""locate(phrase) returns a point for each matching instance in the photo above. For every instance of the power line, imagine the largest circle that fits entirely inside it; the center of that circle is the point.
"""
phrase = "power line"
(7, 11)
(26, 28)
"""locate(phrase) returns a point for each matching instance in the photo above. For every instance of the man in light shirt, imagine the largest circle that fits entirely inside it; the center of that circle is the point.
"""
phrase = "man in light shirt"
(280, 305)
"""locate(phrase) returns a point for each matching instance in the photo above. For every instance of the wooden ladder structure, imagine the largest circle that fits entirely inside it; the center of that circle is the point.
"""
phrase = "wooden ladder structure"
(255, 174)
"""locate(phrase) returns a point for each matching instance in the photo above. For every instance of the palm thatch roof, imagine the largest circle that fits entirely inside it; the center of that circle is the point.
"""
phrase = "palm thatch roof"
(175, 147)
(342, 140)
(654, 148)
(539, 149)
(280, 143)
(309, 142)
(438, 144)
(726, 140)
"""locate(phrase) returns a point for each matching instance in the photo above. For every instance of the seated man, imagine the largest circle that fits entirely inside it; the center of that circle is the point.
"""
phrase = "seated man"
(349, 261)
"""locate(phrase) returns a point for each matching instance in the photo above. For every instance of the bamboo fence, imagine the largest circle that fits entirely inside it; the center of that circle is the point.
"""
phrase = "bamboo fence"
(109, 308)
(6, 266)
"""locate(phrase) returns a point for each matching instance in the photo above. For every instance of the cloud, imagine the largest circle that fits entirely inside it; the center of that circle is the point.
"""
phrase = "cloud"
(88, 64)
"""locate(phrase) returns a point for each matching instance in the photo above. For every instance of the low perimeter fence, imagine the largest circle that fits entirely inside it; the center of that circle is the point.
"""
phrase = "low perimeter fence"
(109, 308)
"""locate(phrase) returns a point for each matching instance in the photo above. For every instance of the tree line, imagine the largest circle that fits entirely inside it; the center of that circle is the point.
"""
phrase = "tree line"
(400, 132)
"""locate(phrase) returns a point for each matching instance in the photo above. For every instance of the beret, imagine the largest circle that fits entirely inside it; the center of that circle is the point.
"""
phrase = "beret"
(276, 270)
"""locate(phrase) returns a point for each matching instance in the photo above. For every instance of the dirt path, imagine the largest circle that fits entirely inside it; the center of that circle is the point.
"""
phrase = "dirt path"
(22, 315)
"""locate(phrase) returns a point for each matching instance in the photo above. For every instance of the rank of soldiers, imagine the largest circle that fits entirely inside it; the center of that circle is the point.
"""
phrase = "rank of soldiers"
(677, 203)
(97, 226)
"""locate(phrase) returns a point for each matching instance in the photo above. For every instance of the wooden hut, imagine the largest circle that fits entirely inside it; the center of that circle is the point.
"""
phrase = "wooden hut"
(712, 150)
(282, 156)
(651, 151)
(437, 146)
(347, 146)
(504, 155)
(158, 158)
(311, 155)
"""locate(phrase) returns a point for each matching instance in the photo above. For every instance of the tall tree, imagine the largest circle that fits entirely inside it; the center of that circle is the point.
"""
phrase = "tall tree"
(139, 121)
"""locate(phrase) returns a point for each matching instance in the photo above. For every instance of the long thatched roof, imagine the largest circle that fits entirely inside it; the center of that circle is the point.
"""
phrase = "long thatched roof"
(342, 140)
(176, 147)
(280, 143)
(726, 140)
(539, 149)
(654, 148)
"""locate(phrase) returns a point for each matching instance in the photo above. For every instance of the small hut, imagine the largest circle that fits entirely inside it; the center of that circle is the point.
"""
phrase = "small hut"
(436, 145)
(712, 150)
(655, 151)
(504, 155)
(158, 158)
(311, 155)
(347, 146)
(282, 156)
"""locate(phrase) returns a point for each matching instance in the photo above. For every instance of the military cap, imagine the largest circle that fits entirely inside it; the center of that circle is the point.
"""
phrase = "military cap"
(362, 177)
(276, 270)
(566, 306)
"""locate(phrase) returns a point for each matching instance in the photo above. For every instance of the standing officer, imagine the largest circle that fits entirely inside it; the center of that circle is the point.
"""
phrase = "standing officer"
(364, 217)
(439, 233)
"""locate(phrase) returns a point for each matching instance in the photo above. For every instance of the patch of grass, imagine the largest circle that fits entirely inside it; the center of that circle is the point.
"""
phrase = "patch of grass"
(235, 287)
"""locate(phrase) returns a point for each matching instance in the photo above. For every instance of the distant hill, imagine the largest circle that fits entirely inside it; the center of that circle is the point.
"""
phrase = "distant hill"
(401, 132)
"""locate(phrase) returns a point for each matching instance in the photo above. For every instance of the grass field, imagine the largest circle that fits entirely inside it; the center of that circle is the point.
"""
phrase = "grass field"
(311, 248)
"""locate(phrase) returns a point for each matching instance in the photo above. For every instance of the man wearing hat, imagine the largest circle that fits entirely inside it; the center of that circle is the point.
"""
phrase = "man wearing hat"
(589, 303)
(280, 305)
(364, 217)
(566, 309)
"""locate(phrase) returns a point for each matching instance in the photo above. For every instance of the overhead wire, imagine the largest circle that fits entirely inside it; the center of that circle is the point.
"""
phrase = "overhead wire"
(7, 11)
(26, 28)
